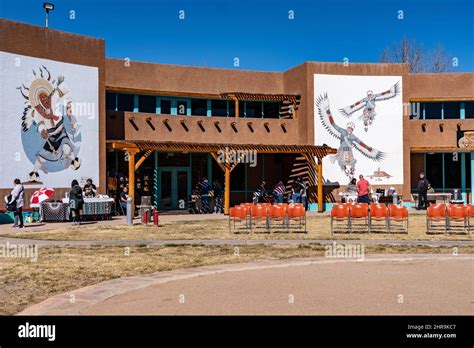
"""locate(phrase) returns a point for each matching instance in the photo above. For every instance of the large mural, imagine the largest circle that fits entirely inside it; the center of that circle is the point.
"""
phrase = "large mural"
(48, 122)
(362, 117)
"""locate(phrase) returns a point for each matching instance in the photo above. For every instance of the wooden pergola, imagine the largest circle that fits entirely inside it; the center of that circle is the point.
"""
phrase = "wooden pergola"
(313, 155)
(287, 100)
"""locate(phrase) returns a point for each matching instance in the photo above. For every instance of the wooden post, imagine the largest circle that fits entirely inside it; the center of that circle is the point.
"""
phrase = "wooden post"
(236, 101)
(227, 190)
(131, 178)
(320, 185)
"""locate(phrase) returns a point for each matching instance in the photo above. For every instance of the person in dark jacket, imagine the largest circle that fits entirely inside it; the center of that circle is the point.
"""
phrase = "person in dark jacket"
(76, 202)
(205, 188)
(422, 188)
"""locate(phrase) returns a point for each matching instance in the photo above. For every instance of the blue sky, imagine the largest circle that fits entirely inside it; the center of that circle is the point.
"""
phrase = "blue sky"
(259, 32)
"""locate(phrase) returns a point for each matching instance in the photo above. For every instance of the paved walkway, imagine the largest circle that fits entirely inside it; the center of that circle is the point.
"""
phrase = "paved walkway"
(380, 284)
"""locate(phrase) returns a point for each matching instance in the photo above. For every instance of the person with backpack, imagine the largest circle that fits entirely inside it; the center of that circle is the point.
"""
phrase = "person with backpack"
(76, 201)
(15, 203)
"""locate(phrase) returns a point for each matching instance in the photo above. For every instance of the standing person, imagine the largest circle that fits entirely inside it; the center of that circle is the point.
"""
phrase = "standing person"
(363, 190)
(17, 198)
(260, 193)
(90, 188)
(217, 188)
(279, 191)
(205, 189)
(297, 190)
(352, 187)
(123, 199)
(76, 202)
(422, 188)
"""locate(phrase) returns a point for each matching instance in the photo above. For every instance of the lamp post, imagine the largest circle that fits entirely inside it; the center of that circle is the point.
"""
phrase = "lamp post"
(48, 7)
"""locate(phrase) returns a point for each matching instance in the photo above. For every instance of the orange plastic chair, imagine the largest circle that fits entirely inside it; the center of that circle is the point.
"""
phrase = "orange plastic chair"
(397, 218)
(436, 220)
(267, 206)
(297, 213)
(340, 215)
(471, 216)
(378, 213)
(237, 214)
(359, 217)
(278, 213)
(258, 214)
(458, 218)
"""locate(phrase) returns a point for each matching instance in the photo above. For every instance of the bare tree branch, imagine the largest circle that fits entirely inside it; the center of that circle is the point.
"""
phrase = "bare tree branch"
(418, 59)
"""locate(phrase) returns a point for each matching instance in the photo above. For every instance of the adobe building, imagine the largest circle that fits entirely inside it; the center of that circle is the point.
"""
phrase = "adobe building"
(68, 112)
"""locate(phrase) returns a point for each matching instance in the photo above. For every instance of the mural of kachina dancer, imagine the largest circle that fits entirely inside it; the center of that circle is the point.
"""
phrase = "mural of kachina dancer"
(48, 116)
(368, 103)
(348, 140)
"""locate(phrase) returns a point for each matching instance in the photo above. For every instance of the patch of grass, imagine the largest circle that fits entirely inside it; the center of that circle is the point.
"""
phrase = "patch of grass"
(318, 228)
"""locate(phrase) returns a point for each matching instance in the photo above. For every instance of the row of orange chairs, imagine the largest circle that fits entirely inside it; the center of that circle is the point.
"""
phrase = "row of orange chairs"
(267, 215)
(363, 217)
(449, 218)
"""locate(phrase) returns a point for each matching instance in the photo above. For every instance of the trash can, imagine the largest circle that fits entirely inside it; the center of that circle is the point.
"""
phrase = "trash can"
(146, 209)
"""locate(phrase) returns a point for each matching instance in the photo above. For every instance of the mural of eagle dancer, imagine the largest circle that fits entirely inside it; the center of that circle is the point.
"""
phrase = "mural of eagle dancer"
(368, 103)
(48, 112)
(348, 141)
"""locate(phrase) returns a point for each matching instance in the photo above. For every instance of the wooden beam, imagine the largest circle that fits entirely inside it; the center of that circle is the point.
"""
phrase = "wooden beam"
(143, 158)
(236, 102)
(320, 186)
(131, 178)
(214, 155)
(227, 191)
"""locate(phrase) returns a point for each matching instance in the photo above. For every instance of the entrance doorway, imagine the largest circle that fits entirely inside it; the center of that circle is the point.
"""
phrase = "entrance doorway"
(174, 188)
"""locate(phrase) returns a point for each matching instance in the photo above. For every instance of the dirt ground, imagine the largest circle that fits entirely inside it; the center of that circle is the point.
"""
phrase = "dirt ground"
(319, 227)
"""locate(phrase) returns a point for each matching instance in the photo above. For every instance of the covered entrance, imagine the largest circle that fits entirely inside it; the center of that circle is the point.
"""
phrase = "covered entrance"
(175, 182)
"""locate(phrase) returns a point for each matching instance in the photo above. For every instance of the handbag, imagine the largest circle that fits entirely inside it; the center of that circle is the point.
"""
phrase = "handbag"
(12, 207)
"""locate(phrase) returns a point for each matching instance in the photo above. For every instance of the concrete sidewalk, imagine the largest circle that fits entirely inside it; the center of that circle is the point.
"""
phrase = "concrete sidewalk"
(379, 284)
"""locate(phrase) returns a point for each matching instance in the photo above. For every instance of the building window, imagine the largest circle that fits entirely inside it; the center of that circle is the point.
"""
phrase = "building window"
(219, 107)
(434, 170)
(110, 101)
(432, 110)
(199, 107)
(452, 110)
(253, 109)
(452, 171)
(231, 108)
(468, 170)
(271, 110)
(125, 102)
(469, 109)
(165, 106)
(237, 179)
(146, 103)
(182, 107)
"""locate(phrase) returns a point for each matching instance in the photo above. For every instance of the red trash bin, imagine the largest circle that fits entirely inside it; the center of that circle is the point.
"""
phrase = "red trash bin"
(145, 217)
(155, 217)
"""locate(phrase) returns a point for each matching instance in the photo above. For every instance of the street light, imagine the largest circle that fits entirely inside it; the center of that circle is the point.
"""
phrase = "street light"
(48, 7)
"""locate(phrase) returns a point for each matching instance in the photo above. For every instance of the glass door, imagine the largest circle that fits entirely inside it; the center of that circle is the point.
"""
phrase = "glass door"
(174, 188)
